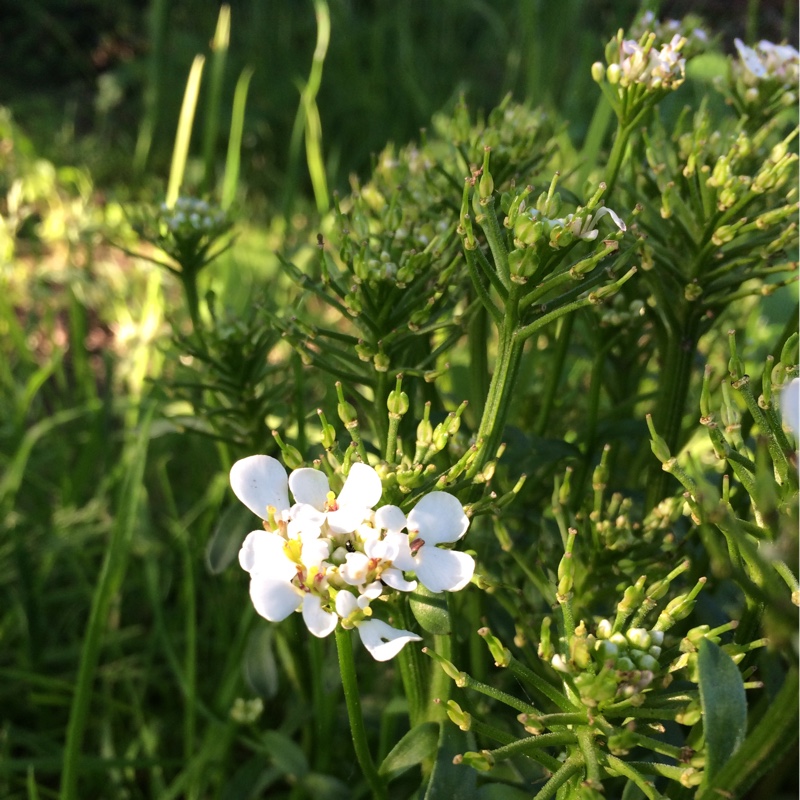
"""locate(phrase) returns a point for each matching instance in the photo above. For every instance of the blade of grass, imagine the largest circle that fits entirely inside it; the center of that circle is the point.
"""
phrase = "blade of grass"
(219, 53)
(308, 105)
(184, 134)
(230, 180)
(109, 582)
(156, 60)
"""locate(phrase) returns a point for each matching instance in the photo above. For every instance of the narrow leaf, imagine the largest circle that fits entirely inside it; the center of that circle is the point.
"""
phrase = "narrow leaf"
(724, 705)
(184, 134)
(418, 744)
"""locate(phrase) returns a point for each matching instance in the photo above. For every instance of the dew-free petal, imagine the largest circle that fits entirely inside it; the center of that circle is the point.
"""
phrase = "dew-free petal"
(309, 486)
(390, 518)
(443, 570)
(260, 482)
(274, 600)
(318, 621)
(382, 640)
(439, 517)
(363, 487)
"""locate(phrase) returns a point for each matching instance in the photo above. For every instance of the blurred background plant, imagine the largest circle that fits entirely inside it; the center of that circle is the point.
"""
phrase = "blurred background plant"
(332, 141)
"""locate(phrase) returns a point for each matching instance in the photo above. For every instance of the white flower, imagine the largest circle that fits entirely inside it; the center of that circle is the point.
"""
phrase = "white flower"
(311, 491)
(586, 227)
(381, 639)
(768, 61)
(790, 405)
(664, 68)
(438, 518)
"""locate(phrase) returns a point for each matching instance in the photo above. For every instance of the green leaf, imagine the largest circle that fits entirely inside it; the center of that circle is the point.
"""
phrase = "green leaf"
(418, 744)
(223, 546)
(286, 754)
(773, 736)
(259, 666)
(430, 610)
(724, 705)
(449, 780)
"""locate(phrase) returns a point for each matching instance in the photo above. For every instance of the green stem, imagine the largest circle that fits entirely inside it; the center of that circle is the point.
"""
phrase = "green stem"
(569, 768)
(440, 683)
(509, 355)
(478, 336)
(559, 358)
(494, 236)
(347, 668)
(189, 281)
(616, 156)
(675, 382)
(411, 671)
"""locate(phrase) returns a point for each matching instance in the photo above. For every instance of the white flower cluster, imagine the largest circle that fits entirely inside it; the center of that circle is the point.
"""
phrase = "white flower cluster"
(191, 215)
(644, 65)
(330, 556)
(768, 61)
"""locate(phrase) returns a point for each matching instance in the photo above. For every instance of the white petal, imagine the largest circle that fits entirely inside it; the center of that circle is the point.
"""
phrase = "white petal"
(354, 570)
(318, 621)
(274, 600)
(314, 552)
(263, 553)
(363, 487)
(790, 405)
(309, 486)
(259, 482)
(390, 518)
(347, 518)
(444, 570)
(305, 522)
(372, 590)
(394, 578)
(439, 517)
(382, 640)
(603, 210)
(346, 604)
(398, 545)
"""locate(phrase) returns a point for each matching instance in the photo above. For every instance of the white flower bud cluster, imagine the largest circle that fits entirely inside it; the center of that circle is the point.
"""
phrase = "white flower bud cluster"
(331, 556)
(192, 216)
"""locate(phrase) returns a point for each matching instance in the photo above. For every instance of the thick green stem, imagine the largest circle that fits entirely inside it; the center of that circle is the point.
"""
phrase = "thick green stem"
(509, 355)
(347, 668)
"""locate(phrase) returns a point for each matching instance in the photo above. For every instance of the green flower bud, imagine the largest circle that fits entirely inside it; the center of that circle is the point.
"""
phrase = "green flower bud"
(501, 655)
(381, 362)
(397, 402)
(486, 183)
(604, 629)
(598, 72)
(639, 638)
(458, 716)
(482, 761)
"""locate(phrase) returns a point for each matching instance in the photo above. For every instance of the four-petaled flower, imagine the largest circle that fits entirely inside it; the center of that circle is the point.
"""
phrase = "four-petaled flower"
(438, 518)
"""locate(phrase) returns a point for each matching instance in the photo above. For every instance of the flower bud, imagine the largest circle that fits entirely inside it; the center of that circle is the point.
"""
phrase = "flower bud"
(598, 72)
(458, 716)
(501, 655)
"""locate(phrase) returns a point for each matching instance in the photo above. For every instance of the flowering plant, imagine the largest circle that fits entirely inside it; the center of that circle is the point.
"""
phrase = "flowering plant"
(501, 314)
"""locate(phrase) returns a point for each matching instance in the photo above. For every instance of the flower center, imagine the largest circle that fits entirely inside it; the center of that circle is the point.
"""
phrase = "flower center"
(330, 502)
